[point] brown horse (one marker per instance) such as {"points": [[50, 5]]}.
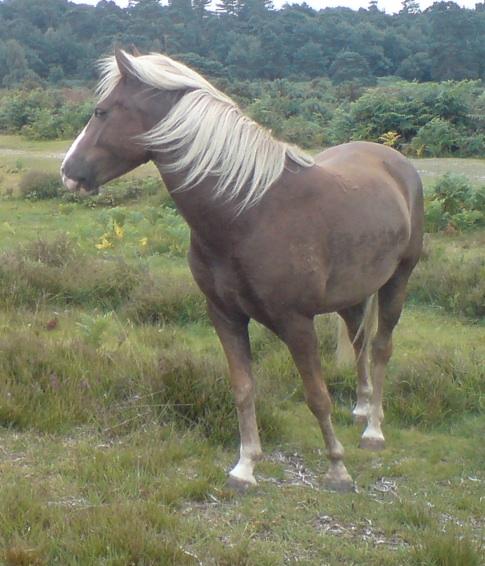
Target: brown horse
{"points": [[275, 235]]}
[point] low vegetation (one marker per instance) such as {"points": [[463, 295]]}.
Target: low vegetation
{"points": [[423, 120], [455, 204]]}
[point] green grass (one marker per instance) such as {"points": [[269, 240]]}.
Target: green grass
{"points": [[432, 168], [117, 425]]}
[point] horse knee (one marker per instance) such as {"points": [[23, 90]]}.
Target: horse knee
{"points": [[243, 394], [319, 404], [382, 349]]}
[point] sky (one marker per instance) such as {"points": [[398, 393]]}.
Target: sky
{"points": [[389, 6]]}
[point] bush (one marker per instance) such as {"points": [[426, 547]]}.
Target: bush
{"points": [[39, 185], [43, 113], [454, 202], [457, 193], [436, 138]]}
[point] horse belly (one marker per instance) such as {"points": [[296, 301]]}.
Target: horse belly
{"points": [[361, 262]]}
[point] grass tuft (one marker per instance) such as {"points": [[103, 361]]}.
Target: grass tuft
{"points": [[197, 390], [435, 388], [167, 298], [446, 549], [56, 272], [451, 274], [414, 515]]}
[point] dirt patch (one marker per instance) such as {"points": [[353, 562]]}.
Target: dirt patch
{"points": [[362, 531], [296, 473], [33, 153]]}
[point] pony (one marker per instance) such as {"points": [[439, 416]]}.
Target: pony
{"points": [[276, 235]]}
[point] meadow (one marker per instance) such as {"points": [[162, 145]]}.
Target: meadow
{"points": [[117, 425]]}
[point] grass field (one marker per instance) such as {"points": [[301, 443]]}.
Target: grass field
{"points": [[117, 426]]}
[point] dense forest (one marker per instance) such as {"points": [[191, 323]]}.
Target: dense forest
{"points": [[245, 39], [413, 80]]}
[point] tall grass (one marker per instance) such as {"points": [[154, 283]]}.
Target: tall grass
{"points": [[57, 272], [436, 387], [451, 274], [446, 549]]}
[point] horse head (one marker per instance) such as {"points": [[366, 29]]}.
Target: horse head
{"points": [[109, 146]]}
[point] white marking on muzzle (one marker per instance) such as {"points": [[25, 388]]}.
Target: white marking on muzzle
{"points": [[70, 184], [72, 149]]}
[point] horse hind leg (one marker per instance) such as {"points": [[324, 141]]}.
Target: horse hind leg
{"points": [[300, 337], [390, 304], [359, 321]]}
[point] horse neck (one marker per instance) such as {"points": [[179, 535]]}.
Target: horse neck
{"points": [[211, 219]]}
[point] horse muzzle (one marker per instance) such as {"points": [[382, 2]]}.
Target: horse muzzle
{"points": [[79, 185]]}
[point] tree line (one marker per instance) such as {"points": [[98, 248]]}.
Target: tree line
{"points": [[57, 40]]}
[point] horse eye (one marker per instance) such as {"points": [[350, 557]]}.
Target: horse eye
{"points": [[98, 112]]}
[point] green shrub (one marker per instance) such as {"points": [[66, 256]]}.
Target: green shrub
{"points": [[454, 202], [43, 114], [457, 193], [437, 137], [435, 218], [39, 185]]}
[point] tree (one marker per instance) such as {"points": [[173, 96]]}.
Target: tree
{"points": [[410, 7], [200, 7], [228, 7], [350, 66], [310, 60], [15, 64], [454, 51]]}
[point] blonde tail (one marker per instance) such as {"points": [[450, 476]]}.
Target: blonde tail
{"points": [[345, 349]]}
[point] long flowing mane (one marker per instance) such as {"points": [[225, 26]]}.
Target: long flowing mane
{"points": [[208, 131]]}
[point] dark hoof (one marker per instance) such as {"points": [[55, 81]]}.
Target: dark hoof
{"points": [[236, 484], [336, 484], [374, 444]]}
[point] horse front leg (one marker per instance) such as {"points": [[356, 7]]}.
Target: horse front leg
{"points": [[234, 337]]}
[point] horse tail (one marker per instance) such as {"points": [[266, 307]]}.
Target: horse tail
{"points": [[345, 349]]}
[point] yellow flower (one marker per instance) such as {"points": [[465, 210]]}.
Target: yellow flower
{"points": [[118, 230], [104, 243], [143, 241]]}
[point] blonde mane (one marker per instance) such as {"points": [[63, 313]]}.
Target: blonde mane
{"points": [[208, 131]]}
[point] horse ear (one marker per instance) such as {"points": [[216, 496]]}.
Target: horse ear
{"points": [[134, 50], [123, 62]]}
